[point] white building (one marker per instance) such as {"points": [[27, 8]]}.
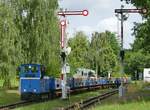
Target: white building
{"points": [[85, 73], [146, 75]]}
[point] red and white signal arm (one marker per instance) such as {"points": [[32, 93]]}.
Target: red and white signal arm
{"points": [[85, 12], [63, 26]]}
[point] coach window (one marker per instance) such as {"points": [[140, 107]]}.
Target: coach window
{"points": [[85, 74], [82, 73], [91, 74]]}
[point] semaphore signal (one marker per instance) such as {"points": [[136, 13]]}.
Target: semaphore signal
{"points": [[122, 12], [66, 13], [142, 10], [63, 55]]}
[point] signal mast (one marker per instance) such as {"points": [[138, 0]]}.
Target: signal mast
{"points": [[64, 50], [122, 12]]}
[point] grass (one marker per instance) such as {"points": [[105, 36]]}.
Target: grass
{"points": [[136, 98], [58, 103], [130, 106], [8, 96]]}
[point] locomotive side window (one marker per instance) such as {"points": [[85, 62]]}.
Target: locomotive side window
{"points": [[91, 74], [82, 73], [42, 71]]}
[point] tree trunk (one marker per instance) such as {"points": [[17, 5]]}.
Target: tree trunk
{"points": [[96, 69], [137, 75]]}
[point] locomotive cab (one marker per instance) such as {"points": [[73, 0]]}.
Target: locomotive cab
{"points": [[31, 70]]}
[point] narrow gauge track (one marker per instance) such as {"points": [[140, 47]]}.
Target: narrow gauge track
{"points": [[86, 103], [58, 94], [89, 88], [15, 105]]}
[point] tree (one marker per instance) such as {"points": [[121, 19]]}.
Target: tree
{"points": [[139, 3], [79, 46], [112, 40], [138, 58], [142, 32], [39, 32], [104, 58], [135, 62], [29, 33], [8, 44]]}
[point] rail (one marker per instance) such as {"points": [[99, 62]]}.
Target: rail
{"points": [[15, 105], [86, 103]]}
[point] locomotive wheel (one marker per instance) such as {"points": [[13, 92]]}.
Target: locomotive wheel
{"points": [[25, 96], [36, 97]]}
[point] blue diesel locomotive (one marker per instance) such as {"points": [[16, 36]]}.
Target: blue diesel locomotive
{"points": [[34, 84]]}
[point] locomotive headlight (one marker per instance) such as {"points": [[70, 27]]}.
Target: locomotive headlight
{"points": [[24, 90], [34, 90]]}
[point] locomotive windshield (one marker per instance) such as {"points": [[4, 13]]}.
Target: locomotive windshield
{"points": [[28, 69], [32, 70]]}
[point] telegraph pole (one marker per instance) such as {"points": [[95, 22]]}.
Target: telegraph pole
{"points": [[122, 12], [63, 24]]}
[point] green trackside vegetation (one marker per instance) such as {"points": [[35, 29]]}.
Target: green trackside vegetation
{"points": [[11, 95], [1, 83], [130, 106], [8, 96], [137, 98], [29, 33], [58, 103], [14, 83]]}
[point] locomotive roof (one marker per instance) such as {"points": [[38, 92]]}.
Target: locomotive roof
{"points": [[31, 64]]}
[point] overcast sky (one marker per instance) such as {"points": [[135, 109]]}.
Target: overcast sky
{"points": [[101, 17]]}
